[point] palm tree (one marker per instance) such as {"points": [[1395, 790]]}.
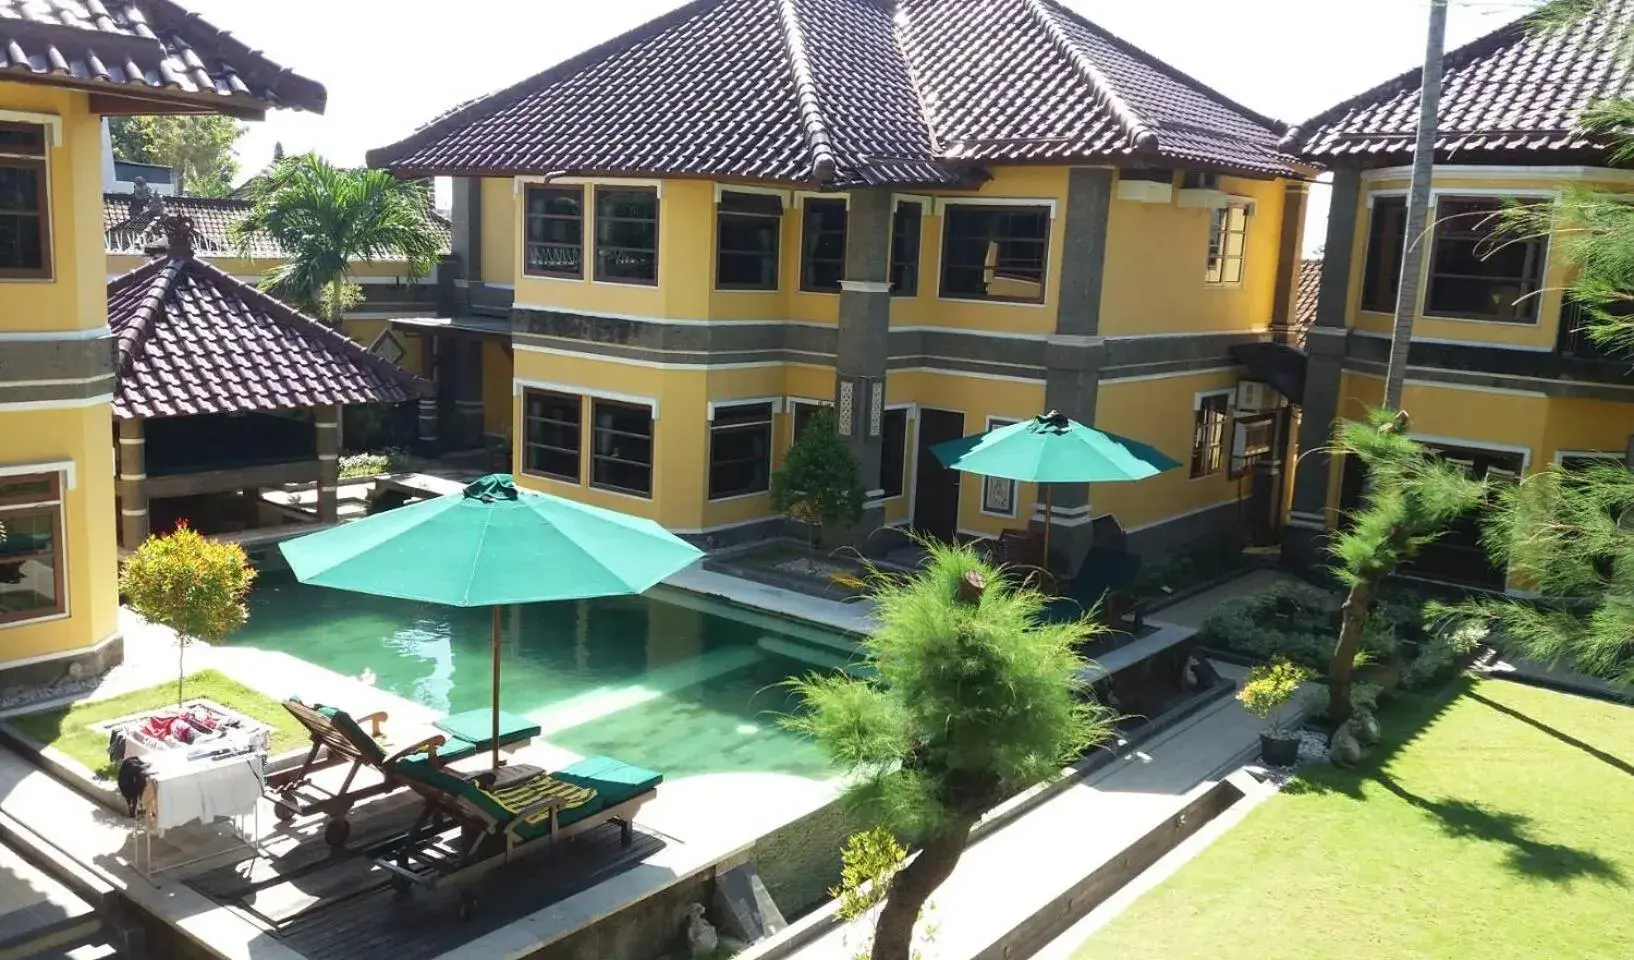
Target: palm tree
{"points": [[326, 218]]}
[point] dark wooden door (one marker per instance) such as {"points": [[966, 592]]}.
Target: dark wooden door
{"points": [[936, 492]]}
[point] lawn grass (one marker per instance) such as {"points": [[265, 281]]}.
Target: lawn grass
{"points": [[69, 729], [1502, 827]]}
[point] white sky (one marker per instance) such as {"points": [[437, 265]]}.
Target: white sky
{"points": [[391, 65]]}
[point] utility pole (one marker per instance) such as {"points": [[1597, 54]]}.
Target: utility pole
{"points": [[1418, 208]]}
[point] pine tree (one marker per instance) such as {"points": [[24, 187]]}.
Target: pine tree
{"points": [[1412, 497]]}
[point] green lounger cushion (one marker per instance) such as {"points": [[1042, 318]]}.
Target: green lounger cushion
{"points": [[615, 780], [343, 722], [476, 727]]}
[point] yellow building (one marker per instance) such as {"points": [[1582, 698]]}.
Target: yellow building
{"points": [[58, 592], [709, 227], [1500, 376]]}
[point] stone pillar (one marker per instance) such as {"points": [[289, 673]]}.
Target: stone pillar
{"points": [[430, 343], [1306, 533], [1290, 254], [466, 240], [132, 484], [327, 422], [864, 337], [1075, 354], [468, 390]]}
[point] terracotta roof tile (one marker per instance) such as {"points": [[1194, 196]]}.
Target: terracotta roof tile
{"points": [[1310, 288], [213, 218], [1516, 91], [845, 93], [146, 48], [190, 339]]}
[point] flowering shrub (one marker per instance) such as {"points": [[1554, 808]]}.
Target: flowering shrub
{"points": [[191, 584], [1268, 687]]}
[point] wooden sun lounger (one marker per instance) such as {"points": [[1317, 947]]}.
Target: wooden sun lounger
{"points": [[499, 824]]}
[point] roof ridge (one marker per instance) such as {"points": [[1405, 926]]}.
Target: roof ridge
{"points": [[1169, 69], [1142, 135], [1411, 79], [481, 107], [305, 93], [812, 123], [158, 273], [303, 324]]}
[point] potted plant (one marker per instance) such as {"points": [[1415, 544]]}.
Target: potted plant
{"points": [[819, 483], [1265, 691]]}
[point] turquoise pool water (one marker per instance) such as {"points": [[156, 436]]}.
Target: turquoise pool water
{"points": [[669, 681]]}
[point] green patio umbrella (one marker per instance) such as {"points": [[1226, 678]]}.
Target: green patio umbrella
{"points": [[1053, 449], [491, 545]]}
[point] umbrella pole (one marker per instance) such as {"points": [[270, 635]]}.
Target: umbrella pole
{"points": [[495, 731], [1049, 514]]}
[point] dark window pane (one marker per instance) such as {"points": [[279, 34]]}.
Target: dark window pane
{"points": [[622, 454], [22, 217], [893, 453], [740, 450], [29, 534], [26, 139], [995, 253], [555, 231], [553, 435], [822, 254], [1386, 234], [760, 204], [746, 258], [627, 235], [905, 227], [1478, 270]]}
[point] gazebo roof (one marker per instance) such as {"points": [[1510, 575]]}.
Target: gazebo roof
{"points": [[191, 339]]}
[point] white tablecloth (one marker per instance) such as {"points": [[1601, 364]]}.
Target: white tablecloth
{"points": [[181, 791]]}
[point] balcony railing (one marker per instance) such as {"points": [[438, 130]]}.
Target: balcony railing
{"points": [[1574, 340]]}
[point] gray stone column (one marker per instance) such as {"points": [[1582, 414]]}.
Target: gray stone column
{"points": [[1295, 194], [132, 484], [468, 394], [326, 420], [1075, 354], [430, 345], [466, 241], [863, 345], [1306, 534]]}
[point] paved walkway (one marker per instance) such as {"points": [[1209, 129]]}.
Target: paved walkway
{"points": [[1192, 611], [1006, 878]]}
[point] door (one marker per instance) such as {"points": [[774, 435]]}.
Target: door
{"points": [[936, 492]]}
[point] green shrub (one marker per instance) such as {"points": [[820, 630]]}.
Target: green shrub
{"points": [[370, 464], [1442, 655], [1268, 687], [1291, 619]]}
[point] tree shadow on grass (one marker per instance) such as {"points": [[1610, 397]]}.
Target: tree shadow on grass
{"points": [[1527, 855], [1611, 760], [1403, 719]]}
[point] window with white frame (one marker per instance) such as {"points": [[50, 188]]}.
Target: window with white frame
{"points": [[31, 568], [995, 252], [1211, 413], [998, 493], [801, 413], [740, 450], [553, 438], [1227, 243], [554, 221], [1480, 269]]}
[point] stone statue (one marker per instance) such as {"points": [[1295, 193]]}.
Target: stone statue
{"points": [[702, 940]]}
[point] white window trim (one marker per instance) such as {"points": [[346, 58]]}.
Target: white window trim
{"points": [[65, 467], [784, 195], [776, 402], [910, 433], [991, 423], [1620, 456], [518, 385], [927, 203], [1486, 445], [1476, 172], [50, 121], [53, 139], [1225, 433], [1198, 397], [942, 203], [519, 184], [801, 196], [1246, 204]]}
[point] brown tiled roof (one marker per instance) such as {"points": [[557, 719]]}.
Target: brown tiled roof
{"points": [[1310, 288], [190, 339], [1514, 94], [151, 49], [213, 218], [845, 93]]}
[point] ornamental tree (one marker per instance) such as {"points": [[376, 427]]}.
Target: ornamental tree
{"points": [[1412, 497], [971, 698], [191, 584], [820, 482]]}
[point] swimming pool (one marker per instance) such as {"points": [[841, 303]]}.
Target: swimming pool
{"points": [[671, 680]]}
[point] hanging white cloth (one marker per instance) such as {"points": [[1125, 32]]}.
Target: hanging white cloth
{"points": [[182, 791]]}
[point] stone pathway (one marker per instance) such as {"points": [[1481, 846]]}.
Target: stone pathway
{"points": [[1007, 878], [1192, 611]]}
